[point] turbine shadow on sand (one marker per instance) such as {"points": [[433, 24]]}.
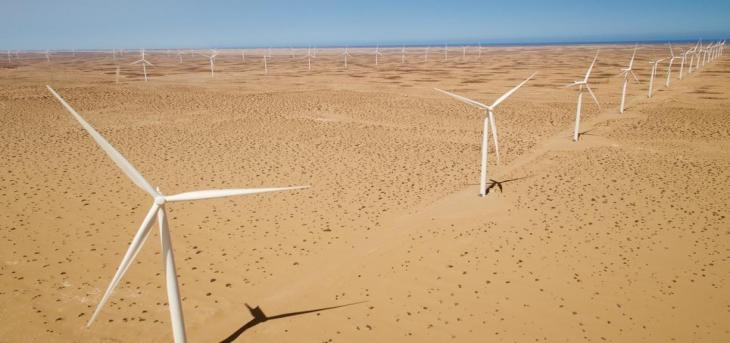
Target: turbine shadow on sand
{"points": [[498, 184], [259, 317]]}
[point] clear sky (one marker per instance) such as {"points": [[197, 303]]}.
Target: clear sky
{"points": [[101, 24]]}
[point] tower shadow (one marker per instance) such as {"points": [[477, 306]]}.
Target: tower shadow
{"points": [[259, 317]]}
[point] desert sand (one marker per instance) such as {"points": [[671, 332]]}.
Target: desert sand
{"points": [[621, 237]]}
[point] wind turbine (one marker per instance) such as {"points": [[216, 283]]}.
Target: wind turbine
{"points": [[211, 57], [345, 55], [669, 69], [144, 63], [403, 55], [157, 210], [48, 57], [488, 120], [654, 65], [581, 84], [266, 64], [309, 59], [377, 53], [425, 54], [681, 65], [626, 72]]}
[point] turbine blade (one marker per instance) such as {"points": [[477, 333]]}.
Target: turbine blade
{"points": [[508, 94], [593, 95], [222, 193], [463, 99], [134, 247], [117, 157], [634, 75], [588, 73]]}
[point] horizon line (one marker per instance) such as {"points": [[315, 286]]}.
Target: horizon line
{"points": [[514, 43]]}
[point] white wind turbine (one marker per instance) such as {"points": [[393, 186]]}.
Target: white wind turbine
{"points": [[266, 62], [488, 120], [144, 63], [377, 54], [581, 84], [693, 52], [425, 54], [403, 55], [48, 57], [157, 210], [211, 58], [654, 65], [671, 62], [309, 59], [626, 72], [681, 65], [345, 55]]}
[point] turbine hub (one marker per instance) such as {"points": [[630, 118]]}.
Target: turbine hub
{"points": [[160, 200]]}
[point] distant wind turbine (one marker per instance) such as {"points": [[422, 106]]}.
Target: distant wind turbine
{"points": [[144, 63], [581, 84], [345, 55], [403, 55], [425, 54], [158, 210], [377, 54], [211, 58], [488, 120]]}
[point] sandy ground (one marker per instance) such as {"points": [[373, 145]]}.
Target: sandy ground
{"points": [[622, 237]]}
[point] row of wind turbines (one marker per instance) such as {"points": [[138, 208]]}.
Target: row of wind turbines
{"points": [[698, 55], [311, 53]]}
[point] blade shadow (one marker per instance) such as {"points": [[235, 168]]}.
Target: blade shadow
{"points": [[260, 317], [498, 184]]}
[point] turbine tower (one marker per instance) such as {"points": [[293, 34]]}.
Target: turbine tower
{"points": [[488, 120], [157, 210]]}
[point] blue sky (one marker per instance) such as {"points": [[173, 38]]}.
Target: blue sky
{"points": [[101, 24]]}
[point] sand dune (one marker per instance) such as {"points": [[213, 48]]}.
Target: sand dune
{"points": [[621, 237]]}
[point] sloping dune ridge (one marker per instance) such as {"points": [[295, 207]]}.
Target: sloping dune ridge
{"points": [[623, 236]]}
